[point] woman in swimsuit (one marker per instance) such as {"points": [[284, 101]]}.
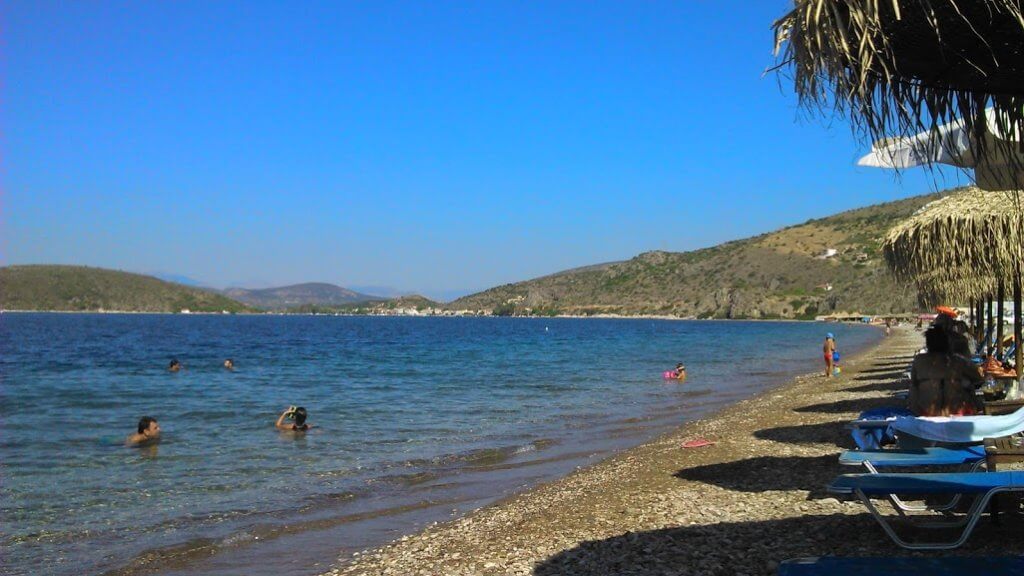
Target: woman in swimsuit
{"points": [[298, 415]]}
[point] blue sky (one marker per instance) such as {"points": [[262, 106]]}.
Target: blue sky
{"points": [[434, 147]]}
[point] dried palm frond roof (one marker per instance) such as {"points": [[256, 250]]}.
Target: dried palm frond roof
{"points": [[955, 286], [903, 67], [963, 240]]}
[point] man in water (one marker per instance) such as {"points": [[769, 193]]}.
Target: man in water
{"points": [[298, 414], [148, 432], [174, 366], [229, 364], [829, 350]]}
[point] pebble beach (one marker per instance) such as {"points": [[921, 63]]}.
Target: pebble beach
{"points": [[741, 505]]}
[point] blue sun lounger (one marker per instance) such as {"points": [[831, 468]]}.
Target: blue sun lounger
{"points": [[982, 486], [873, 460], [938, 456], [948, 566], [961, 430]]}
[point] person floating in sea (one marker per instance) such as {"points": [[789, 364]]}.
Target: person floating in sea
{"points": [[680, 372], [829, 350], [229, 364], [148, 432], [174, 366], [298, 417]]}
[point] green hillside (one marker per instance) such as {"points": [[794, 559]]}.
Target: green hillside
{"points": [[80, 288], [775, 275]]}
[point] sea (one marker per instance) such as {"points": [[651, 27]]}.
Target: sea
{"points": [[416, 420]]}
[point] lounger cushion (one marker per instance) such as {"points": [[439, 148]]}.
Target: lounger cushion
{"points": [[949, 566], [961, 429], [916, 457], [938, 483]]}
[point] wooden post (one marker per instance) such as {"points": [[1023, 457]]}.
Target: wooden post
{"points": [[989, 330], [1000, 296], [1016, 323], [979, 325]]}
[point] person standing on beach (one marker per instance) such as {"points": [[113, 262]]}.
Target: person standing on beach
{"points": [[829, 350]]}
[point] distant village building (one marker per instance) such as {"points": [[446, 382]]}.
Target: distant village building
{"points": [[829, 253]]}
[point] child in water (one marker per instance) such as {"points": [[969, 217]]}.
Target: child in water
{"points": [[680, 372], [298, 415]]}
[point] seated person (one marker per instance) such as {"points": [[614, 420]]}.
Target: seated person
{"points": [[148, 432], [298, 414], [943, 383], [680, 372]]}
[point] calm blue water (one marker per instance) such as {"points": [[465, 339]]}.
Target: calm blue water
{"points": [[416, 419]]}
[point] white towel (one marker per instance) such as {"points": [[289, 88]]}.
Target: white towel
{"points": [[961, 428]]}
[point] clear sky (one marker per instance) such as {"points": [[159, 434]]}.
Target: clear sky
{"points": [[432, 147]]}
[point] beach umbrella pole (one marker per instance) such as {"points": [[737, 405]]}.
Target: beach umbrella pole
{"points": [[1016, 324], [979, 326], [1000, 296], [988, 329]]}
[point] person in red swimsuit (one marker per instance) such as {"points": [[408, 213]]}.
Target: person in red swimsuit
{"points": [[829, 350]]}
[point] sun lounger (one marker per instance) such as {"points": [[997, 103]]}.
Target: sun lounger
{"points": [[982, 486], [869, 434], [872, 460], [948, 566], [875, 459], [960, 429], [870, 431]]}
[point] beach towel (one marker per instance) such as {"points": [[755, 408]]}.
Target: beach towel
{"points": [[961, 429]]}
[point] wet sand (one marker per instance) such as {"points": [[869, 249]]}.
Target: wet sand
{"points": [[754, 498]]}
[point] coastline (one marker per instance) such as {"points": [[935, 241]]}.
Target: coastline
{"points": [[450, 315], [740, 506]]}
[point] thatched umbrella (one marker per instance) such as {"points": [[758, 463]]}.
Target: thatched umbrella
{"points": [[972, 231], [961, 246], [903, 67]]}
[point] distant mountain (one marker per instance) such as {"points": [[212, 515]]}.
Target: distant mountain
{"points": [[81, 288], [827, 265], [309, 294], [412, 301], [380, 291]]}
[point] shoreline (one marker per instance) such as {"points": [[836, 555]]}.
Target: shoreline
{"points": [[452, 315], [740, 506]]}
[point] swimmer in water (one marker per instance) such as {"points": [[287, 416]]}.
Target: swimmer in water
{"points": [[148, 432], [298, 415], [229, 364], [680, 372], [174, 366]]}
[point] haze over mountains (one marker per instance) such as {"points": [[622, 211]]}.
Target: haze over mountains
{"points": [[826, 265], [311, 293]]}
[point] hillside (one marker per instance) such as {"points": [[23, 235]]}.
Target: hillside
{"points": [[309, 294], [777, 275], [80, 288]]}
